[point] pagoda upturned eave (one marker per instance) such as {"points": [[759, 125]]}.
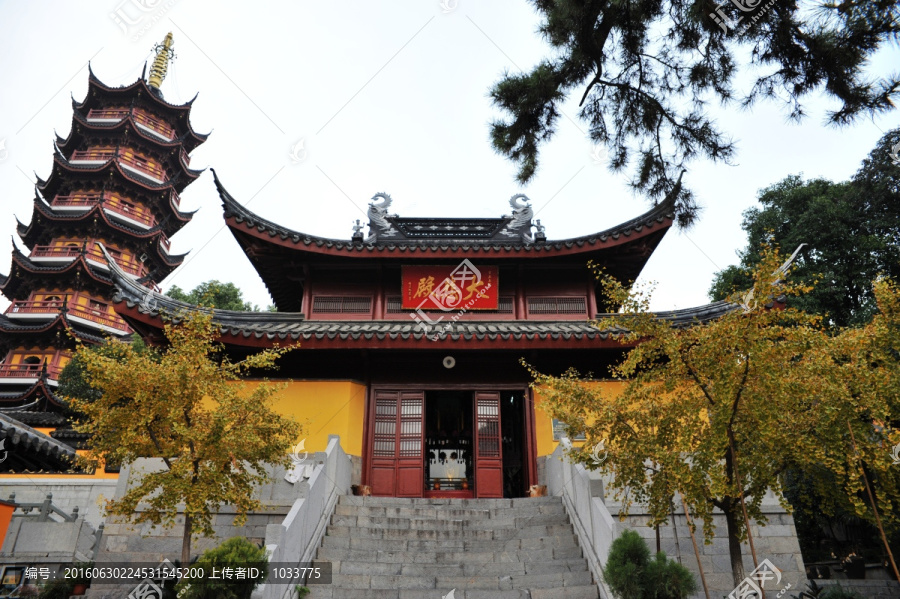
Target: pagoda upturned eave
{"points": [[147, 181], [57, 324], [126, 127], [37, 396], [155, 239], [62, 170]]}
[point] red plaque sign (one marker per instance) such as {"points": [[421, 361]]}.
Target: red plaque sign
{"points": [[450, 288]]}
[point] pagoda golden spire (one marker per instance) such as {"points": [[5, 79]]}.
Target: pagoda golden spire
{"points": [[160, 66]]}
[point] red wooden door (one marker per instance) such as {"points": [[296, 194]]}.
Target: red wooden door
{"points": [[398, 467], [488, 452]]}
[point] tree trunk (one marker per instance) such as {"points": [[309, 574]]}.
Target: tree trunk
{"points": [[734, 544], [186, 541]]}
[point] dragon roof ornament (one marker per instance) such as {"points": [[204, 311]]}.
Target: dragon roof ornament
{"points": [[379, 226], [515, 228]]}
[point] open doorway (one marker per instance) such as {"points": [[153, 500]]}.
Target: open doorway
{"points": [[449, 464], [512, 424]]}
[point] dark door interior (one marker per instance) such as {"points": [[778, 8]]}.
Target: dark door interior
{"points": [[512, 420], [449, 464]]}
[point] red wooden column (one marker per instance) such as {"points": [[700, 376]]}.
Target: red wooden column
{"points": [[488, 450]]}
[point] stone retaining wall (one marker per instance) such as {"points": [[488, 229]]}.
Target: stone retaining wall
{"points": [[85, 494], [870, 589]]}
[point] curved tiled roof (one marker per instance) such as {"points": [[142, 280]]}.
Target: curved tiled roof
{"points": [[27, 447], [242, 219], [41, 419]]}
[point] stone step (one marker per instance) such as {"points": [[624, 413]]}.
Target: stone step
{"points": [[458, 503], [504, 582], [389, 522], [453, 545], [399, 548], [499, 534], [573, 592], [451, 511], [488, 569], [387, 556]]}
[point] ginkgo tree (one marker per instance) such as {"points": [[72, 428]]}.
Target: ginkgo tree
{"points": [[862, 414], [184, 405], [715, 411]]}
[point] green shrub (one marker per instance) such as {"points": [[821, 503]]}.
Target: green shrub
{"points": [[837, 592], [235, 552], [59, 588], [631, 573]]}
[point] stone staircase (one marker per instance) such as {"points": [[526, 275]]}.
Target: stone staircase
{"points": [[393, 548]]}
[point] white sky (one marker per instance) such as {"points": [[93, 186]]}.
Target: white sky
{"points": [[386, 96]]}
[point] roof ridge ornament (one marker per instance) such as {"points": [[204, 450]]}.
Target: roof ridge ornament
{"points": [[164, 56], [357, 231], [520, 223], [379, 226]]}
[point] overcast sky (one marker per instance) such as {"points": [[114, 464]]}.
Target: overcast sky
{"points": [[384, 96]]}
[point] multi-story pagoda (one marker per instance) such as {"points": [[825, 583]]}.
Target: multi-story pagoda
{"points": [[115, 184]]}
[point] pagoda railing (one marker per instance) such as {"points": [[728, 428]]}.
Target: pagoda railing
{"points": [[101, 318], [143, 167], [102, 155], [72, 308], [91, 252], [109, 203], [28, 371], [143, 119]]}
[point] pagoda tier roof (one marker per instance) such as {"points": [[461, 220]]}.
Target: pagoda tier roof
{"points": [[128, 129], [73, 216], [84, 224], [651, 224], [100, 95], [24, 270], [30, 450], [37, 405], [144, 310], [47, 333], [64, 171], [27, 276], [184, 172]]}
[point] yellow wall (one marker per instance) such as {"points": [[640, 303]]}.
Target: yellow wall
{"points": [[543, 424], [325, 408]]}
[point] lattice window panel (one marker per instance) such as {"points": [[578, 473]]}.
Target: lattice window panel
{"points": [[411, 427], [557, 305], [385, 427], [487, 414], [394, 305], [336, 304]]}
